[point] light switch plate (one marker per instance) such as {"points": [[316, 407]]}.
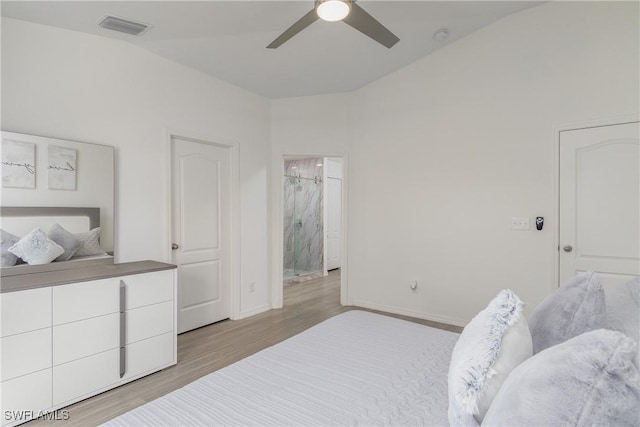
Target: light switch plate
{"points": [[521, 223]]}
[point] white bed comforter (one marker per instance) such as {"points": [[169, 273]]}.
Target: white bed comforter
{"points": [[356, 368]]}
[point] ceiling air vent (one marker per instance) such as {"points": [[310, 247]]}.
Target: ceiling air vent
{"points": [[123, 25]]}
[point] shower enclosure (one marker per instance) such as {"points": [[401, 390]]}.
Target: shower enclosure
{"points": [[303, 228]]}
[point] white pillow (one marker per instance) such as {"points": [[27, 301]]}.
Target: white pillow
{"points": [[489, 348], [36, 248], [89, 243]]}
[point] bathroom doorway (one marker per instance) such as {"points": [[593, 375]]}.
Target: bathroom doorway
{"points": [[311, 217]]}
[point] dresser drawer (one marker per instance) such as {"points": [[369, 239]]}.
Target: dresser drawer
{"points": [[149, 355], [85, 376], [149, 288], [74, 340], [25, 353], [24, 311], [149, 321], [26, 393], [85, 300]]}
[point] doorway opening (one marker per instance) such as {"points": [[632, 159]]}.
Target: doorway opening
{"points": [[312, 218]]}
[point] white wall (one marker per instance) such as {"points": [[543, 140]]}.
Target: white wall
{"points": [[445, 151], [440, 155], [69, 85], [317, 126]]}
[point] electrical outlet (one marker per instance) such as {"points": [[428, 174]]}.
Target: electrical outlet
{"points": [[413, 285], [252, 286]]}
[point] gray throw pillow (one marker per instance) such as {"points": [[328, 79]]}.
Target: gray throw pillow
{"points": [[623, 309], [7, 259], [66, 239], [576, 307], [89, 243], [36, 248], [589, 380]]}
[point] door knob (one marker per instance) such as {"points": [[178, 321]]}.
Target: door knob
{"points": [[567, 248], [174, 246]]}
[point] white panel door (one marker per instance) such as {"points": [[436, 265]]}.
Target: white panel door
{"points": [[334, 222], [200, 231], [599, 203]]}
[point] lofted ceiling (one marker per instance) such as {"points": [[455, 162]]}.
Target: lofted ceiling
{"points": [[228, 39]]}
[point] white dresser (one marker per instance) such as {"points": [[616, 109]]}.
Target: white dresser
{"points": [[69, 335]]}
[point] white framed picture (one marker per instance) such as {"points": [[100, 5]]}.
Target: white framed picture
{"points": [[62, 168], [18, 164]]}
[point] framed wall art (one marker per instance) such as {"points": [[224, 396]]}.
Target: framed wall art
{"points": [[18, 164], [62, 168]]}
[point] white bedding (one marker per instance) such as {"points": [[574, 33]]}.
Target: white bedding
{"points": [[356, 368]]}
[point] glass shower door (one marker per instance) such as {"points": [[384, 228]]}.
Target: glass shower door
{"points": [[290, 183], [302, 226]]}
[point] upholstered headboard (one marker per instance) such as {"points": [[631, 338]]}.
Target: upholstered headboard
{"points": [[21, 220]]}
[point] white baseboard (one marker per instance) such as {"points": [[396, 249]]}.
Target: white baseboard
{"points": [[412, 313], [253, 312]]}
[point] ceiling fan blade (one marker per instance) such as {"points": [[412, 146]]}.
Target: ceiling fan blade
{"points": [[302, 23], [368, 25]]}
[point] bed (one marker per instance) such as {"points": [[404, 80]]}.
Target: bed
{"points": [[19, 221], [357, 368], [574, 362]]}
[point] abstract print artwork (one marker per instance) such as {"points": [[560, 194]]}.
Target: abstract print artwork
{"points": [[62, 168], [18, 164]]}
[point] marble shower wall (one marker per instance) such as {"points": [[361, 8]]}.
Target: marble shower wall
{"points": [[303, 227]]}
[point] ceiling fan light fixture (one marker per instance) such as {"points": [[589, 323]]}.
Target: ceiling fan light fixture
{"points": [[333, 10]]}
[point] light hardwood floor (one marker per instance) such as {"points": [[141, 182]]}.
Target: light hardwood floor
{"points": [[213, 347]]}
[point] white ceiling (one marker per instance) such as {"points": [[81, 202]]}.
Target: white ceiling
{"points": [[227, 39]]}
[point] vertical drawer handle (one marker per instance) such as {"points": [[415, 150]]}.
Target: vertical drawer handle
{"points": [[123, 328]]}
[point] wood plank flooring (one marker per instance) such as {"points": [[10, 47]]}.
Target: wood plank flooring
{"points": [[213, 347]]}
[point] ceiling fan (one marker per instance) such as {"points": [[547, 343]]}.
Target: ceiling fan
{"points": [[340, 10]]}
